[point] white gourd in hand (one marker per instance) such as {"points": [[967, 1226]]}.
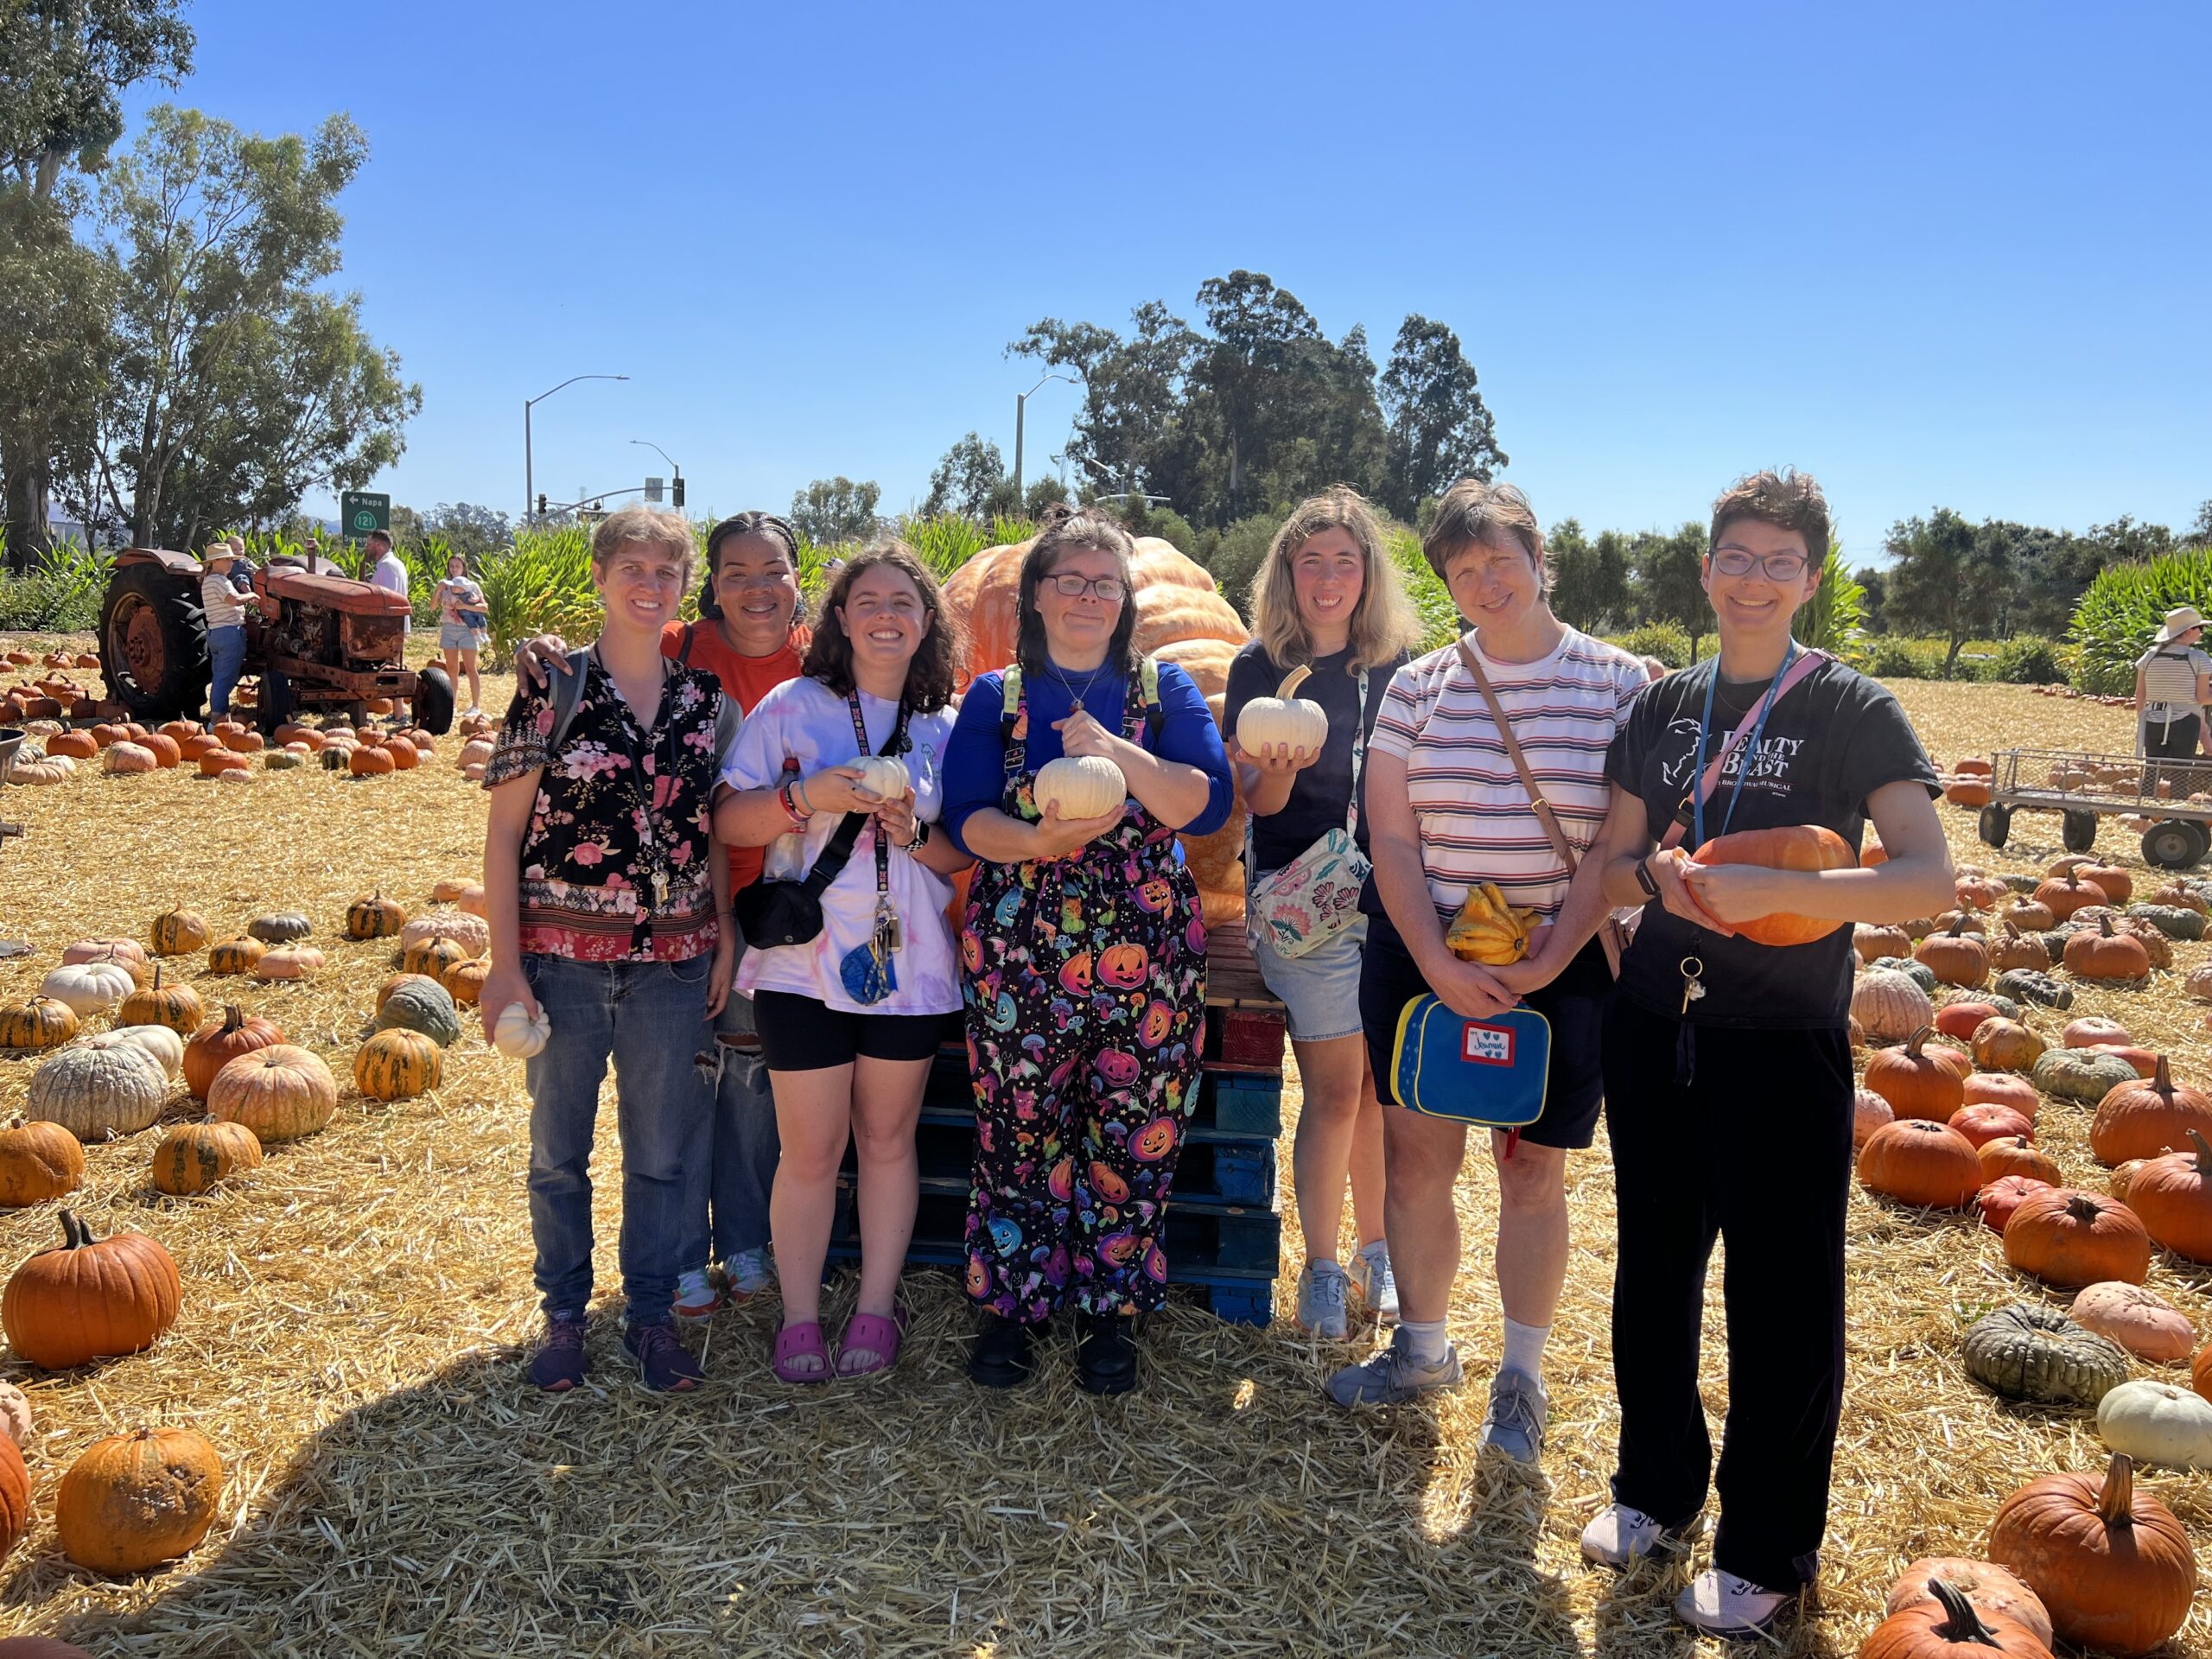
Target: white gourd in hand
{"points": [[1283, 721], [882, 775], [1081, 786], [517, 1036]]}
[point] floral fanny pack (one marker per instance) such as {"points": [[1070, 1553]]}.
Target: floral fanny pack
{"points": [[1315, 896]]}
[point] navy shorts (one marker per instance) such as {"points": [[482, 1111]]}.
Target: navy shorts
{"points": [[1575, 1003]]}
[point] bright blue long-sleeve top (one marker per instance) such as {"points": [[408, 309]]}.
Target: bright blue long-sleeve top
{"points": [[975, 758]]}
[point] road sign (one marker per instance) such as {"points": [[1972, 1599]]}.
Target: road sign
{"points": [[360, 512], [652, 490]]}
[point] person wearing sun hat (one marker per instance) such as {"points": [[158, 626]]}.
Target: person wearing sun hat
{"points": [[226, 614], [2173, 681]]}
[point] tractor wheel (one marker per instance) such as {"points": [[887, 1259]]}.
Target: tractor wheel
{"points": [[2077, 830], [154, 644], [2174, 844], [274, 707], [433, 705], [1996, 825]]}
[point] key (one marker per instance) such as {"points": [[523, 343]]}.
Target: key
{"points": [[1693, 988], [894, 937]]}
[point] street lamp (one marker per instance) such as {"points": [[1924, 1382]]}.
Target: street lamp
{"points": [[1019, 401], [528, 479], [677, 493]]}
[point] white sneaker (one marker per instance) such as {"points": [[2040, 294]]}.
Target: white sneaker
{"points": [[749, 1272], [1321, 1286], [1723, 1603], [1619, 1536], [1372, 1278], [697, 1297]]}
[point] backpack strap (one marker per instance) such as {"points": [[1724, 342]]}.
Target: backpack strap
{"points": [[684, 651], [567, 692], [1155, 717], [1010, 702], [728, 718]]}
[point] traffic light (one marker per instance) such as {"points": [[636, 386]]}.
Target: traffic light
{"points": [[676, 495], [541, 504]]}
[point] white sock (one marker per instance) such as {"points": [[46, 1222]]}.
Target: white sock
{"points": [[1425, 1340], [1524, 1350]]}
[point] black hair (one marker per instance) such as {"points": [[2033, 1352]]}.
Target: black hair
{"points": [[1073, 534], [770, 526]]}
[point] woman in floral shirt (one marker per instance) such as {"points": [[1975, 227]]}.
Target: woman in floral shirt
{"points": [[605, 907]]}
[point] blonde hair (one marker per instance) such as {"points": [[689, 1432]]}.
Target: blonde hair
{"points": [[1475, 513], [1382, 620], [659, 527]]}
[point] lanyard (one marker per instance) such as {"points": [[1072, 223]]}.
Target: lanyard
{"points": [[1359, 755], [891, 746], [1751, 749]]}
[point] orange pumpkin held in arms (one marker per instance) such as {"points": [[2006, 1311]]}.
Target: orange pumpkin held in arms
{"points": [[1794, 847]]}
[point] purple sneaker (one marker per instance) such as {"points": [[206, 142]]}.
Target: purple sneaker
{"points": [[558, 1364], [666, 1362]]}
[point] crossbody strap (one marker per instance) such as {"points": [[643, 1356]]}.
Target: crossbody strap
{"points": [[1609, 934], [1702, 789]]}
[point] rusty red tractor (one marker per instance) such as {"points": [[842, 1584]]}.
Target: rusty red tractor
{"points": [[317, 641]]}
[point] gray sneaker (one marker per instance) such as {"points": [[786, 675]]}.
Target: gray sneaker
{"points": [[1394, 1377], [1515, 1421], [1321, 1286], [1370, 1277]]}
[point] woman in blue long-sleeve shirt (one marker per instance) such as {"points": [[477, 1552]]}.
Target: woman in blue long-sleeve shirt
{"points": [[1084, 962]]}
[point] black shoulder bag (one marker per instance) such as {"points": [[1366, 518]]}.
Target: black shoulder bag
{"points": [[773, 913]]}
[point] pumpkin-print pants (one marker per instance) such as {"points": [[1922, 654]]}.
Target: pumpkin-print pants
{"points": [[1756, 1150], [1086, 982]]}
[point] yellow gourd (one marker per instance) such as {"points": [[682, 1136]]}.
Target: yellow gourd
{"points": [[1283, 721], [1488, 930]]}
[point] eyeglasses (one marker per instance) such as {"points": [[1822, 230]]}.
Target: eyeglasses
{"points": [[1775, 567], [1070, 586]]}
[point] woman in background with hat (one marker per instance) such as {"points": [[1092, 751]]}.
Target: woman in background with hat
{"points": [[2173, 681], [226, 614]]}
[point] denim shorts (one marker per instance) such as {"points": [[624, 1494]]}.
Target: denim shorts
{"points": [[455, 636], [1320, 989]]}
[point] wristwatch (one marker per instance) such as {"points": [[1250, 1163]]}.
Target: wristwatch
{"points": [[921, 835], [1644, 877]]}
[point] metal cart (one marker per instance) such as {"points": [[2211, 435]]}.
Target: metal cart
{"points": [[2082, 787]]}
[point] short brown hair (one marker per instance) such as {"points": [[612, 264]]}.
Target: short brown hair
{"points": [[656, 525], [1092, 530], [1786, 500], [1496, 515], [929, 674]]}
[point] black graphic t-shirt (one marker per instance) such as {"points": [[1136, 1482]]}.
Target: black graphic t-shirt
{"points": [[1319, 794], [1830, 742]]}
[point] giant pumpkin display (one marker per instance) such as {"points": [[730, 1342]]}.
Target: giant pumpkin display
{"points": [[2111, 1564], [1793, 847], [133, 1501], [90, 1298]]}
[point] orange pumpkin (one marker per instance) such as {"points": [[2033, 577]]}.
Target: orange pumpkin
{"points": [[1954, 956], [2148, 1117], [2017, 1154], [1946, 1621], [366, 762], [38, 1160], [134, 1501], [1987, 1122], [2071, 1238], [2016, 1092], [1919, 1162], [2000, 1198], [90, 1298], [2063, 895], [1920, 1080], [405, 757], [78, 746], [194, 1157], [2112, 1565], [1959, 1019], [2104, 954], [218, 1042], [1794, 847], [2173, 1196]]}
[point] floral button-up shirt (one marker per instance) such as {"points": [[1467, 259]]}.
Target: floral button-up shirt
{"points": [[615, 863]]}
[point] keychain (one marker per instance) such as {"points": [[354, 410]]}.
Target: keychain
{"points": [[1693, 987]]}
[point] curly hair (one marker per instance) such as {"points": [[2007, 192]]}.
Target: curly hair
{"points": [[930, 675], [1786, 500]]}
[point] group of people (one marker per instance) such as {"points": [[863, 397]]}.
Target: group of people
{"points": [[759, 933]]}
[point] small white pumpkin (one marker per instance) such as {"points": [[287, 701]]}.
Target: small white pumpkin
{"points": [[882, 775], [1080, 785], [89, 986], [517, 1036], [2156, 1422], [1283, 721], [164, 1045]]}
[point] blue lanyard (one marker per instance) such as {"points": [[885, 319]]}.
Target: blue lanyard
{"points": [[1744, 759]]}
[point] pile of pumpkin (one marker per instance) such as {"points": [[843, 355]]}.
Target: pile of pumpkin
{"points": [[476, 733], [43, 696], [225, 750]]}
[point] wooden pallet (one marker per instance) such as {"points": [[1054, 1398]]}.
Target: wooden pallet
{"points": [[1233, 1169]]}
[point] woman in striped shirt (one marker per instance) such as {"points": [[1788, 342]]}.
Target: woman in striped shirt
{"points": [[1447, 812]]}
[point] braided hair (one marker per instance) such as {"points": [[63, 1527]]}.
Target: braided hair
{"points": [[768, 526]]}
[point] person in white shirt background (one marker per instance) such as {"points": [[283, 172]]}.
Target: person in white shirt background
{"points": [[226, 614], [388, 571], [2173, 681]]}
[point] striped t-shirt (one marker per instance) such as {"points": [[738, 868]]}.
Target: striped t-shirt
{"points": [[1476, 823]]}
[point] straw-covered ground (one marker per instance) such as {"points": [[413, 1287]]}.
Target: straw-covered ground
{"points": [[355, 1311]]}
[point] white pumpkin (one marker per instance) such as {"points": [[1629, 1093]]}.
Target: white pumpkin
{"points": [[89, 986], [164, 1045], [882, 775], [2156, 1422], [116, 1088], [1283, 721], [472, 933], [1081, 786], [517, 1036]]}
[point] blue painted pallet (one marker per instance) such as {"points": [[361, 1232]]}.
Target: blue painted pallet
{"points": [[1213, 1169], [1204, 1241]]}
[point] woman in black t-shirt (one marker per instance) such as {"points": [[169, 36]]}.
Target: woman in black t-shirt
{"points": [[1725, 1060], [1328, 599]]}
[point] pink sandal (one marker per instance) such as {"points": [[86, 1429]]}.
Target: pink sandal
{"points": [[801, 1342], [870, 1333]]}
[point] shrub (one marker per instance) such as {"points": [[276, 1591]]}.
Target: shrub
{"points": [[2116, 619], [60, 594], [1661, 639], [2028, 660], [1892, 658], [1441, 623]]}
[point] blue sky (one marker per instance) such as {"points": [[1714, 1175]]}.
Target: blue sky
{"points": [[1950, 254]]}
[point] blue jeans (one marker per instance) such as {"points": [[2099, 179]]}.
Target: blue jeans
{"points": [[746, 1149], [225, 656], [650, 1018]]}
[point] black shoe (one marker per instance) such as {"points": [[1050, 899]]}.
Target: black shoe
{"points": [[1105, 1353], [1005, 1352]]}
